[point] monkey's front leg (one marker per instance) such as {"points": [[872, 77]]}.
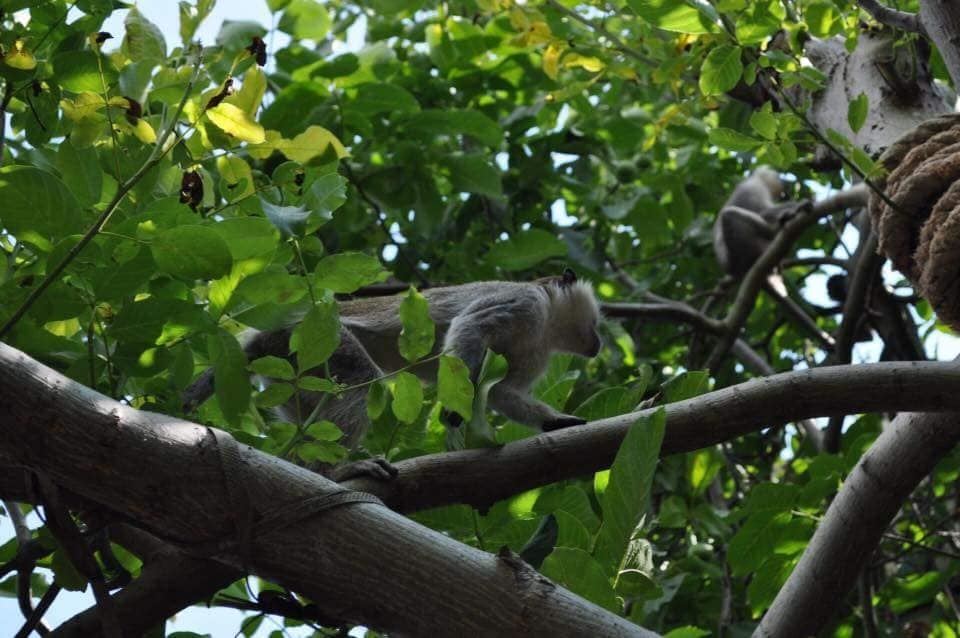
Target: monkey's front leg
{"points": [[523, 408], [782, 213]]}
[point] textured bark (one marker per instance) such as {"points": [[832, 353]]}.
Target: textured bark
{"points": [[481, 477], [902, 456], [896, 103], [361, 563], [941, 21]]}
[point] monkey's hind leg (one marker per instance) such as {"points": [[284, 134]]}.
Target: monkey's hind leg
{"points": [[350, 364]]}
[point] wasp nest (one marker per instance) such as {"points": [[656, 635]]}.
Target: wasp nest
{"points": [[920, 232]]}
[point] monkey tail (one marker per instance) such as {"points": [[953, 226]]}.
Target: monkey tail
{"points": [[197, 392]]}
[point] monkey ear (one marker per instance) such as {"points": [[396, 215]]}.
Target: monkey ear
{"points": [[569, 276]]}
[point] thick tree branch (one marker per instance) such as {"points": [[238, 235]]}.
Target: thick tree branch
{"points": [[902, 20], [941, 23], [901, 457], [361, 563], [483, 476], [669, 310]]}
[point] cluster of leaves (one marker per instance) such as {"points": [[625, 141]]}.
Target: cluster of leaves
{"points": [[164, 195]]}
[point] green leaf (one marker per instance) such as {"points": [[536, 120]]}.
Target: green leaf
{"points": [[474, 174], [273, 367], [732, 140], [229, 375], [81, 173], [417, 336], [609, 402], [348, 272], [191, 15], [322, 452], [407, 397], [249, 238], [687, 632], [192, 252], [372, 99], [143, 40], [857, 111], [754, 541], [673, 15], [376, 400], [290, 220], [579, 572], [77, 71], [431, 122], [721, 70], [764, 122], [324, 431], [526, 249], [316, 337], [273, 395], [625, 499], [327, 193], [454, 389], [37, 205], [686, 385], [64, 573], [822, 19], [305, 19], [317, 384]]}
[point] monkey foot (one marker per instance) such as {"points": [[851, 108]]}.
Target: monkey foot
{"points": [[378, 468]]}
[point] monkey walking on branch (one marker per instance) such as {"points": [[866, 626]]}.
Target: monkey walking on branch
{"points": [[523, 321]]}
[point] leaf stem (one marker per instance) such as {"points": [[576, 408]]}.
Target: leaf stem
{"points": [[158, 153]]}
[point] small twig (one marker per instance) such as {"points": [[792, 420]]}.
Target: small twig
{"points": [[155, 157], [378, 213], [4, 103], [867, 610], [909, 22], [618, 44], [26, 565], [34, 622], [71, 540]]}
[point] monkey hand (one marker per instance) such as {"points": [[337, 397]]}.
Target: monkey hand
{"points": [[562, 421], [378, 468], [450, 418], [789, 212]]}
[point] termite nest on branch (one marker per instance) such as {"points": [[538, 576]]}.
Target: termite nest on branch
{"points": [[920, 232]]}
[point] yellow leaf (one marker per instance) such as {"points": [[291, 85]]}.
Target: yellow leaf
{"points": [[86, 104], [232, 120], [518, 19], [312, 143], [144, 132], [20, 58], [589, 63], [551, 60], [237, 175], [251, 91], [538, 33], [271, 143]]}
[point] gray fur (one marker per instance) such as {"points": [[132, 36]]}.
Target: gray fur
{"points": [[524, 322]]}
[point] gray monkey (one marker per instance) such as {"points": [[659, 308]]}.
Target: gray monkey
{"points": [[746, 225], [523, 321]]}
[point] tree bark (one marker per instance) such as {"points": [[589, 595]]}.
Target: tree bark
{"points": [[362, 563], [901, 457]]}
